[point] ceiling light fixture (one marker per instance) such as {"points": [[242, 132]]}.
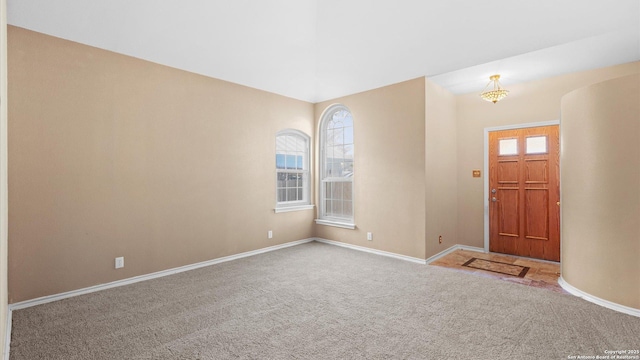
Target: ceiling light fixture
{"points": [[497, 93]]}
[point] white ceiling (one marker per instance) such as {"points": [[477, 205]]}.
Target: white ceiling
{"points": [[316, 50]]}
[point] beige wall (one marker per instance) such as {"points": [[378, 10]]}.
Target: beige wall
{"points": [[601, 190], [389, 177], [441, 169], [527, 102], [114, 156], [3, 175]]}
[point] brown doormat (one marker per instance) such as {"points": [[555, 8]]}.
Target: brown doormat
{"points": [[497, 267]]}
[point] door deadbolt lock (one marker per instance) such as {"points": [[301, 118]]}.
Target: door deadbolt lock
{"points": [[493, 191]]}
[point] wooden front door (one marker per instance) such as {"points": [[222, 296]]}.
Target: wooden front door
{"points": [[524, 192]]}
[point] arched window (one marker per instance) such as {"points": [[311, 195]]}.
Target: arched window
{"points": [[336, 167], [292, 171]]}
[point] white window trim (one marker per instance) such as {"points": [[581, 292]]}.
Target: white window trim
{"points": [[336, 223], [347, 223], [283, 209], [288, 206]]}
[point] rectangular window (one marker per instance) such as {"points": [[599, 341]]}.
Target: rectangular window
{"points": [[292, 169], [507, 147], [536, 145]]}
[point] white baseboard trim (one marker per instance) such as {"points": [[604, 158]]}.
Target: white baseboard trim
{"points": [[135, 279], [452, 249], [7, 340], [87, 290], [596, 300], [46, 299], [372, 251]]}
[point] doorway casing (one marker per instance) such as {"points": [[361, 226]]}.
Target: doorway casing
{"points": [[485, 191]]}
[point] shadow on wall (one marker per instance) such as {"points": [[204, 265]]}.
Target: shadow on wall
{"points": [[600, 190]]}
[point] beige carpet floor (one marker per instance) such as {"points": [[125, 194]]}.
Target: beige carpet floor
{"points": [[317, 301]]}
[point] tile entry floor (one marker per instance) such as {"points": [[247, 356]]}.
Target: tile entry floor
{"points": [[541, 274]]}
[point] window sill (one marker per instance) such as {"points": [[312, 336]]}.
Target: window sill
{"points": [[339, 224], [292, 208]]}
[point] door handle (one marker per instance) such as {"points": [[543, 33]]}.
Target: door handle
{"points": [[493, 199]]}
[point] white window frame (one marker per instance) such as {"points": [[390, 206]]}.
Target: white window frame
{"points": [[343, 222], [305, 203]]}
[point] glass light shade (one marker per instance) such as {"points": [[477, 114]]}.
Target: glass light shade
{"points": [[497, 93]]}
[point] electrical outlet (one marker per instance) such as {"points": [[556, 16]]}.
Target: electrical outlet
{"points": [[440, 239], [369, 236], [270, 234], [119, 262]]}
